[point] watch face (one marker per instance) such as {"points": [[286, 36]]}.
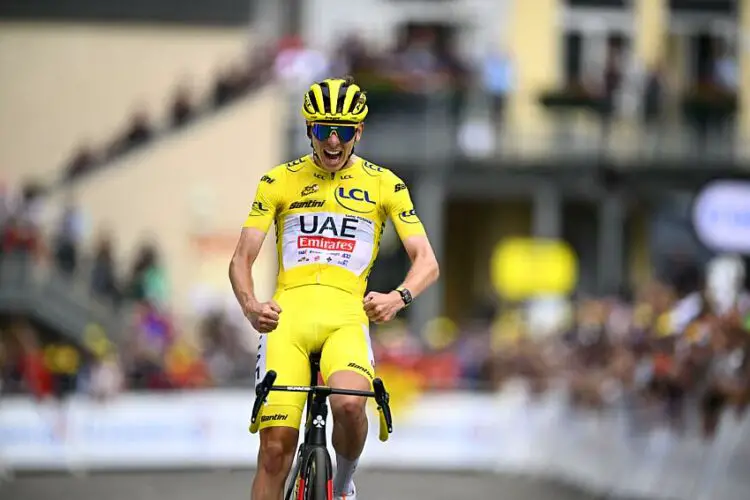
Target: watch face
{"points": [[406, 296]]}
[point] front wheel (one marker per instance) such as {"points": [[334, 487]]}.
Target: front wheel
{"points": [[316, 478]]}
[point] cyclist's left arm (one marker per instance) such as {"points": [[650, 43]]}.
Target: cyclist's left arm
{"points": [[424, 270]]}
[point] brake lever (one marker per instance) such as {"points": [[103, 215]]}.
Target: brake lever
{"points": [[382, 398], [261, 393]]}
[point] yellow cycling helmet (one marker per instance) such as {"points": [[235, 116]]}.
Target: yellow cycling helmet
{"points": [[335, 100]]}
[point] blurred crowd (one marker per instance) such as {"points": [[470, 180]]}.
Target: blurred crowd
{"points": [[233, 82], [676, 347], [156, 353], [672, 347], [677, 351], [425, 61]]}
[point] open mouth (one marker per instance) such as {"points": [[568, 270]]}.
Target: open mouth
{"points": [[332, 155]]}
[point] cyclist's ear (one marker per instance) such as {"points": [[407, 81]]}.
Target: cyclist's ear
{"points": [[309, 131], [358, 133]]}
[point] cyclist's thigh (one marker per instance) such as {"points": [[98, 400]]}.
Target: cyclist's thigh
{"points": [[284, 350], [348, 349]]}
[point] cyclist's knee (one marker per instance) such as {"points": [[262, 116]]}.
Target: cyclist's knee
{"points": [[348, 407], [277, 446]]}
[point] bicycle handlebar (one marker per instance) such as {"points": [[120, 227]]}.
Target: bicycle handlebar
{"points": [[381, 396]]}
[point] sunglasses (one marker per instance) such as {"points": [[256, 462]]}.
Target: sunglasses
{"points": [[321, 131]]}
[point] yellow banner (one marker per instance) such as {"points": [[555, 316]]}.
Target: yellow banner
{"points": [[524, 268]]}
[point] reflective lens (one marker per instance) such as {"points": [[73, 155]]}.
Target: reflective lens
{"points": [[323, 132]]}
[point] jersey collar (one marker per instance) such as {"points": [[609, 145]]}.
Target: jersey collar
{"points": [[356, 160]]}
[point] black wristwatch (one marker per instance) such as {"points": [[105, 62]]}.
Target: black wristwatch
{"points": [[405, 296]]}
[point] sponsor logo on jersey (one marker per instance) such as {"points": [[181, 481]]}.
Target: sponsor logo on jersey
{"points": [[267, 179], [355, 199], [409, 216], [258, 209], [360, 368], [306, 204], [327, 244], [326, 233], [399, 187], [274, 418], [347, 176], [371, 167], [294, 164], [320, 176], [308, 190], [327, 225]]}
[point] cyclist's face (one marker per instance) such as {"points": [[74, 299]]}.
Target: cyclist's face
{"points": [[333, 144]]}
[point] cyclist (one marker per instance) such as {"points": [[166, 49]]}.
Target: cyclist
{"points": [[330, 208]]}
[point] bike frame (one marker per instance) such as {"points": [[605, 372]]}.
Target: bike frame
{"points": [[316, 415], [316, 410]]}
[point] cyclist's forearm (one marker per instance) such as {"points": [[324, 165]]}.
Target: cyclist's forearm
{"points": [[241, 277], [424, 272]]}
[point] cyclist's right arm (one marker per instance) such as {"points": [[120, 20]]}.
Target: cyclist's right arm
{"points": [[263, 316], [240, 268]]}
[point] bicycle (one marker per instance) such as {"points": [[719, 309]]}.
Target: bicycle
{"points": [[312, 476]]}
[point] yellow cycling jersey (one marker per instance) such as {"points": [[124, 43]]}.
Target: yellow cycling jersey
{"points": [[329, 224]]}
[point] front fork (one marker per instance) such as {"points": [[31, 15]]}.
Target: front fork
{"points": [[315, 436]]}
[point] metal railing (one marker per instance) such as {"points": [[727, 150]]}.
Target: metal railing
{"points": [[37, 290], [449, 130]]}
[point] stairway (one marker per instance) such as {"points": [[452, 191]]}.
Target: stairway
{"points": [[196, 183]]}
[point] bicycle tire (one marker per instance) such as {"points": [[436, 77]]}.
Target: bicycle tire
{"points": [[291, 491], [317, 480]]}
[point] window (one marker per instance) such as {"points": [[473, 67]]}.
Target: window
{"points": [[573, 68], [703, 6], [604, 4]]}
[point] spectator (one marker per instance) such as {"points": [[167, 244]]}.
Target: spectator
{"points": [[226, 87], [103, 279], [145, 370], [725, 71], [140, 130], [35, 375], [148, 281], [20, 238], [184, 367], [497, 80], [83, 160], [6, 204], [138, 133], [349, 56], [63, 362], [182, 109], [105, 376], [67, 239], [297, 65], [653, 106], [214, 346]]}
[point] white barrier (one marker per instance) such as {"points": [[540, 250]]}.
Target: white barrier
{"points": [[503, 432]]}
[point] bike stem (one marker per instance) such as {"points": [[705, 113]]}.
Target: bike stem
{"points": [[316, 430]]}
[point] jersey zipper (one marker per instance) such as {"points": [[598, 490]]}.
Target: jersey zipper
{"points": [[327, 188]]}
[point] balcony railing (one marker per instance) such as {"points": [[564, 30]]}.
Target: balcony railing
{"points": [[444, 130], [64, 304]]}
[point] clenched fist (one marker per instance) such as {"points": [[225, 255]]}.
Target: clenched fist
{"points": [[264, 316], [382, 307]]}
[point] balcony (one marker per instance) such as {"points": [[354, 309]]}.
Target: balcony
{"points": [[59, 304], [447, 129]]}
